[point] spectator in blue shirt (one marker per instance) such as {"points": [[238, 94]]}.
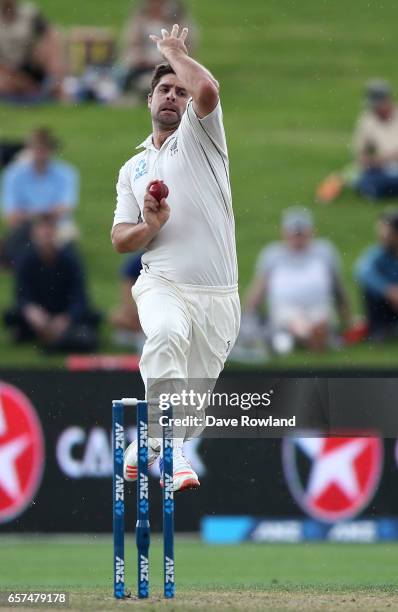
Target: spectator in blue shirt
{"points": [[377, 274], [40, 184]]}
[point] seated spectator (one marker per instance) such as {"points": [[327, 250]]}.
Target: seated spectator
{"points": [[51, 303], [299, 280], [377, 274], [376, 144], [374, 173], [39, 184], [124, 318], [31, 58], [140, 55]]}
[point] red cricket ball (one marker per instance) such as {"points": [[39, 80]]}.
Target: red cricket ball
{"points": [[158, 190]]}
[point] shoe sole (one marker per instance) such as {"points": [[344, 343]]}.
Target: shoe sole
{"points": [[189, 483]]}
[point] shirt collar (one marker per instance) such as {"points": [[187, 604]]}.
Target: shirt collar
{"points": [[148, 143]]}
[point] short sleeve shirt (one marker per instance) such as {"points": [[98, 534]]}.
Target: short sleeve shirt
{"points": [[197, 244], [299, 278]]}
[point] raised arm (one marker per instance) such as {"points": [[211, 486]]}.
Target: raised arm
{"points": [[197, 80]]}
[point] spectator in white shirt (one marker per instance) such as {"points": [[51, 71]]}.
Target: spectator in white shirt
{"points": [[376, 144], [139, 55], [299, 281], [374, 173], [31, 57]]}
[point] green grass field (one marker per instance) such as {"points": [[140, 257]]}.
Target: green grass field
{"points": [[243, 577], [292, 75]]}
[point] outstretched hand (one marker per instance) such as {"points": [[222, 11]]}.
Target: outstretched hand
{"points": [[171, 42]]}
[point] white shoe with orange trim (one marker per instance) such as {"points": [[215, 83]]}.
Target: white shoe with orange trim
{"points": [[130, 458], [184, 476]]}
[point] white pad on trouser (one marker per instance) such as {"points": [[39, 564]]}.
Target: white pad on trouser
{"points": [[190, 331]]}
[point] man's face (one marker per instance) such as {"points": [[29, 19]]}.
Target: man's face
{"points": [[44, 235], [384, 108], [387, 235], [7, 8], [41, 152], [155, 8], [168, 102], [297, 241]]}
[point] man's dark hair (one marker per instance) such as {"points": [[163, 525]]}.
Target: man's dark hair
{"points": [[44, 136], [159, 72]]}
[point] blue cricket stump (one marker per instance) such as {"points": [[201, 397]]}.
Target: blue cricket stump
{"points": [[142, 531], [168, 507], [118, 498], [142, 525]]}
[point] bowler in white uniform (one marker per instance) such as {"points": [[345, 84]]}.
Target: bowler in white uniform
{"points": [[187, 294]]}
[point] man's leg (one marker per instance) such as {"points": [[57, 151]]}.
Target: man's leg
{"points": [[166, 323], [48, 55], [14, 83], [376, 183], [215, 327], [319, 335], [391, 185], [21, 330], [381, 317]]}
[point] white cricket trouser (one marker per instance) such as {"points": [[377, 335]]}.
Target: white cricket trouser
{"points": [[190, 329]]}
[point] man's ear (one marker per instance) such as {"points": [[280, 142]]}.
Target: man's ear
{"points": [[149, 100]]}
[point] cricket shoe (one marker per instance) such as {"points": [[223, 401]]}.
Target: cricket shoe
{"points": [[131, 460], [184, 476]]}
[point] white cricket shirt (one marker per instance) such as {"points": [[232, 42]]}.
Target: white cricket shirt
{"points": [[197, 244], [382, 136], [300, 279]]}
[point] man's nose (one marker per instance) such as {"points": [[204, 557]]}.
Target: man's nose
{"points": [[171, 95]]}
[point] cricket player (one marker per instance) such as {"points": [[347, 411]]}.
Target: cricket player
{"points": [[187, 293]]}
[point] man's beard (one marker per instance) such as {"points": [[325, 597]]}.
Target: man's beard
{"points": [[162, 124], [167, 121]]}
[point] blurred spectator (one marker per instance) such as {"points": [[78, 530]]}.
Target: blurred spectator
{"points": [[299, 279], [376, 143], [51, 303], [31, 59], [91, 77], [377, 275], [139, 54], [374, 173], [38, 184], [124, 318]]}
